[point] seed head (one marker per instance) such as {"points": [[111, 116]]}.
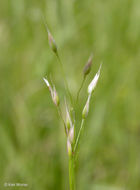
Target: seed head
{"points": [[93, 83], [86, 108], [87, 67], [52, 42]]}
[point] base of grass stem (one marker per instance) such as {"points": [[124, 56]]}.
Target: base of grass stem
{"points": [[71, 172]]}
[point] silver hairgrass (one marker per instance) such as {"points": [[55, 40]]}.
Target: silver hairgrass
{"points": [[68, 120]]}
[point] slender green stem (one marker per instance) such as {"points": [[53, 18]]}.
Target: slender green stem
{"points": [[60, 114], [65, 80], [78, 93], [79, 133], [71, 172]]}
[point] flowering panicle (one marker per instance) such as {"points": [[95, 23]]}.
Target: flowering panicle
{"points": [[69, 121]]}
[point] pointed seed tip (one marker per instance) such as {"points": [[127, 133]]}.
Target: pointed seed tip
{"points": [[46, 81]]}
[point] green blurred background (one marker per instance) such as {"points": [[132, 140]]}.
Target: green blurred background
{"points": [[32, 139]]}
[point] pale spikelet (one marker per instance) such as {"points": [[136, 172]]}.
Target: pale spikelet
{"points": [[87, 67], [68, 117], [53, 92], [52, 42], [69, 148], [93, 83], [55, 97], [47, 82], [49, 86], [71, 134], [86, 108]]}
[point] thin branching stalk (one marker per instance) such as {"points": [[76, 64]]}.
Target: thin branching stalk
{"points": [[65, 80], [79, 134], [60, 114], [78, 93]]}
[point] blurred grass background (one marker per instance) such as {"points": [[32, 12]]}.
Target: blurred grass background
{"points": [[32, 140]]}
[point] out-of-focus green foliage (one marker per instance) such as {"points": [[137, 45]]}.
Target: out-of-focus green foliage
{"points": [[32, 139]]}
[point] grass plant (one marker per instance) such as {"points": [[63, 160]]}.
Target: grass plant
{"points": [[69, 120]]}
